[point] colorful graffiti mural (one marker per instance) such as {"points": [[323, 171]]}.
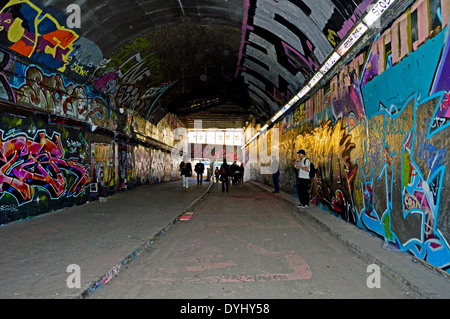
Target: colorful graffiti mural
{"points": [[31, 32], [134, 81], [75, 163], [35, 34], [33, 86], [140, 165], [37, 162], [36, 87], [6, 92], [382, 157], [47, 166], [41, 168], [66, 149], [104, 168]]}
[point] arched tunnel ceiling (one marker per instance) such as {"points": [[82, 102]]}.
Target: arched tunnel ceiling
{"points": [[217, 60]]}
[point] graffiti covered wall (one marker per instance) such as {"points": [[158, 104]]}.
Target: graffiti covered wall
{"points": [[63, 141], [47, 166], [378, 134], [42, 37], [40, 167]]}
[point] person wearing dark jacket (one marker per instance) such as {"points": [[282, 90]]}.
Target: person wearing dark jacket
{"points": [[234, 172], [186, 172], [224, 171], [275, 170], [199, 168], [241, 174], [216, 174]]}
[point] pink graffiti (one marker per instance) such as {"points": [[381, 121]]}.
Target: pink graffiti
{"points": [[280, 97], [26, 163], [105, 80], [245, 28], [348, 24], [444, 109]]}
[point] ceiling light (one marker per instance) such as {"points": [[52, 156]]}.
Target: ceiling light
{"points": [[330, 62], [293, 101], [254, 137], [376, 11], [354, 36], [303, 92], [277, 116], [286, 108], [316, 78]]}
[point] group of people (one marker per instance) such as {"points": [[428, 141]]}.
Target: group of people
{"points": [[232, 172], [186, 172], [235, 173]]}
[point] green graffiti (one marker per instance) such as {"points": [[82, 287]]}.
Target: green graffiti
{"points": [[406, 170], [387, 227]]}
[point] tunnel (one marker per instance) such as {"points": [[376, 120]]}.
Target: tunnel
{"points": [[100, 98]]}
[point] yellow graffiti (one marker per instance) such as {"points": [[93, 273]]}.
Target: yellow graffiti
{"points": [[16, 31], [331, 37], [103, 162]]}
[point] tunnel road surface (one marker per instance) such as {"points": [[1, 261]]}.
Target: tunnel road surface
{"points": [[247, 243]]}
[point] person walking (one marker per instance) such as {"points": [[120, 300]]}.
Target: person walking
{"points": [[186, 172], [303, 180], [275, 170], [216, 174], [199, 169], [181, 168], [241, 173], [234, 172], [224, 171]]}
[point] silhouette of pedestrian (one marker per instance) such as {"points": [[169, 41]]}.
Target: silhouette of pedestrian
{"points": [[199, 169], [224, 171], [275, 170]]}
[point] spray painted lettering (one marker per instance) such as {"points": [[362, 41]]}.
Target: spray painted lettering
{"points": [[26, 163]]}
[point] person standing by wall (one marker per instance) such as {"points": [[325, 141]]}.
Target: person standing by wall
{"points": [[303, 180], [241, 173], [186, 172], [275, 170]]}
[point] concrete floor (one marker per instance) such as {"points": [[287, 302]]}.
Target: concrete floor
{"points": [[96, 236], [247, 244]]}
